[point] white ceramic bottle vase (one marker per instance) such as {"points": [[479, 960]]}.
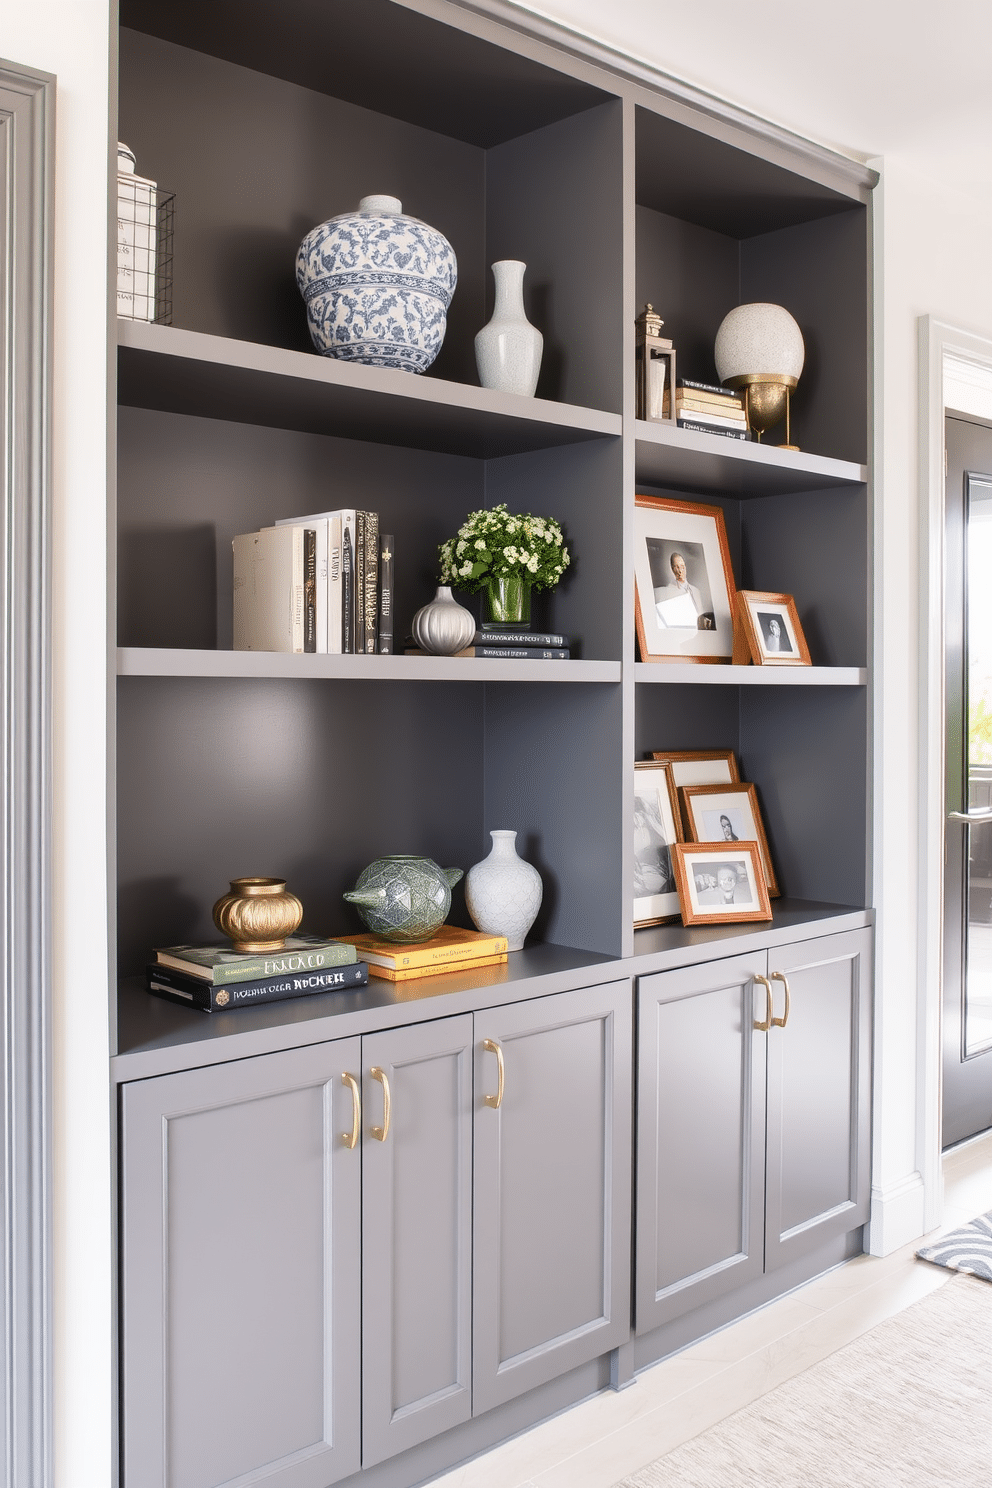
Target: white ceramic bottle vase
{"points": [[508, 349], [503, 893]]}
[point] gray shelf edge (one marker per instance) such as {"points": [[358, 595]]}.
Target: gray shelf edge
{"points": [[298, 1022], [758, 457], [137, 661], [279, 362], [720, 675]]}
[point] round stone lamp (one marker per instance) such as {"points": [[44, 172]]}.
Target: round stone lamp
{"points": [[760, 349]]}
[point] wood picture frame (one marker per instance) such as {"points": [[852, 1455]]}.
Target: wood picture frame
{"points": [[720, 883], [684, 591], [710, 812], [657, 828], [700, 766], [769, 623]]}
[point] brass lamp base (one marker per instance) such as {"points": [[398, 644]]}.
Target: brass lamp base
{"points": [[767, 397]]}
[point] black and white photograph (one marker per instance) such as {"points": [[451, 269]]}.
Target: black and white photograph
{"points": [[656, 829], [716, 813], [770, 623], [683, 582], [717, 884]]}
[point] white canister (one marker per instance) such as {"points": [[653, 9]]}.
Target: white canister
{"points": [[503, 893]]}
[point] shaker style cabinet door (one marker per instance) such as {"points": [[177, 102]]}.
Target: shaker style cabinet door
{"points": [[700, 1135], [241, 1216], [552, 1187], [819, 1078], [417, 1234]]}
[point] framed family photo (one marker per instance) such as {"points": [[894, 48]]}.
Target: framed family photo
{"points": [[720, 882], [683, 582], [728, 813], [656, 830], [770, 625]]}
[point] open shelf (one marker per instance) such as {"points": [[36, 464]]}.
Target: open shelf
{"points": [[679, 945], [685, 460], [718, 675], [190, 372], [139, 661]]}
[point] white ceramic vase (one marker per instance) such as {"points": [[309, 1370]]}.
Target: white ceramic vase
{"points": [[508, 349], [503, 893], [443, 626]]}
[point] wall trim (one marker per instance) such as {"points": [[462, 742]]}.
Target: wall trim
{"points": [[897, 1214], [937, 341], [27, 141]]}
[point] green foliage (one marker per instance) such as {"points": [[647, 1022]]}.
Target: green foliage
{"points": [[980, 732], [496, 544]]}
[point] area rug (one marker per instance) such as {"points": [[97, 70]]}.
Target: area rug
{"points": [[908, 1405], [968, 1249]]}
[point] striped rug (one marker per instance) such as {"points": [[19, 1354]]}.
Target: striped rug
{"points": [[968, 1249]]}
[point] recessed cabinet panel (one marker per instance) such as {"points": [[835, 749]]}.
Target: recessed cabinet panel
{"points": [[551, 1188], [818, 1094], [417, 1235], [236, 1364], [700, 1142]]}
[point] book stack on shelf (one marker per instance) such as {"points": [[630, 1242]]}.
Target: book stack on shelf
{"points": [[709, 409], [215, 979], [320, 583], [448, 949], [503, 643]]}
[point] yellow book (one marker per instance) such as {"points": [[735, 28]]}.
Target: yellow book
{"points": [[408, 973], [450, 943]]}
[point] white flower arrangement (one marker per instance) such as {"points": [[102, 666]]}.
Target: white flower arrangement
{"points": [[496, 544]]}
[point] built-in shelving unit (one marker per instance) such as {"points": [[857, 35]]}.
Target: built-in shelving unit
{"points": [[311, 766]]}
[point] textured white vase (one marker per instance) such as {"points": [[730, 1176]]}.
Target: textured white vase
{"points": [[758, 338], [508, 349], [443, 626], [503, 893]]}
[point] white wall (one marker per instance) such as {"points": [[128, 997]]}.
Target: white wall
{"points": [[71, 40]]}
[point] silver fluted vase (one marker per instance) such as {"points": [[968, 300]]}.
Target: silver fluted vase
{"points": [[443, 626]]}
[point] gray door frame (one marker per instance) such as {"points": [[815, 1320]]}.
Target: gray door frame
{"points": [[27, 141]]}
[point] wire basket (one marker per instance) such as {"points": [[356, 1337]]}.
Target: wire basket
{"points": [[145, 223]]}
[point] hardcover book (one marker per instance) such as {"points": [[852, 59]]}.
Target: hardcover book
{"points": [[700, 428], [370, 609], [219, 964], [359, 596], [411, 973], [449, 943], [506, 653], [319, 525], [269, 590], [494, 635], [209, 998], [386, 549]]}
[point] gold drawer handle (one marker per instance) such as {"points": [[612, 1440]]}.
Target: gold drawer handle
{"points": [[381, 1132], [778, 976], [764, 1027], [492, 1047], [350, 1139]]}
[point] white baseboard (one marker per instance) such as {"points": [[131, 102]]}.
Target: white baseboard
{"points": [[898, 1214]]}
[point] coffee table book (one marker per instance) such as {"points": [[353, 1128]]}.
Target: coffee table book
{"points": [[220, 965], [174, 986], [448, 944], [409, 973]]}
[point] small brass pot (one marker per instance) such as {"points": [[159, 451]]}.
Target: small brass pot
{"points": [[258, 914]]}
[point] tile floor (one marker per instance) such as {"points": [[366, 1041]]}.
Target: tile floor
{"points": [[613, 1434]]}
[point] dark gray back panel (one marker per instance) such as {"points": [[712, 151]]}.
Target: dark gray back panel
{"points": [[691, 275], [256, 163], [554, 199], [551, 776], [686, 717], [305, 781]]}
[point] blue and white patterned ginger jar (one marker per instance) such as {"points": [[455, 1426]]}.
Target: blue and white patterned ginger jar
{"points": [[377, 286]]}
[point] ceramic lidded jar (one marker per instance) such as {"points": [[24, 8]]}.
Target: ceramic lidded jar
{"points": [[503, 893], [404, 898], [377, 286]]}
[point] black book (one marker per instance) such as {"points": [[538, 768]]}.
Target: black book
{"points": [[505, 635], [371, 607], [386, 595], [688, 423], [309, 589], [710, 387], [359, 598], [191, 991], [347, 592]]}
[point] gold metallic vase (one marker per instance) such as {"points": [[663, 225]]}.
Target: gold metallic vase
{"points": [[258, 914], [767, 399]]}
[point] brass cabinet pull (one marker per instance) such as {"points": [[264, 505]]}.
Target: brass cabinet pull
{"points": [[779, 976], [350, 1139], [492, 1047], [381, 1132], [764, 1027]]}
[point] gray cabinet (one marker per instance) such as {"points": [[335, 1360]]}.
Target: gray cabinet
{"points": [[753, 1141], [552, 1187], [241, 1228]]}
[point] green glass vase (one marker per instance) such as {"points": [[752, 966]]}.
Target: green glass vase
{"points": [[507, 600]]}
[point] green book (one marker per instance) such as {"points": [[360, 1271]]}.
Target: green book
{"points": [[219, 964]]}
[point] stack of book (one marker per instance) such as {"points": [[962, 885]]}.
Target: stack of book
{"points": [[709, 409], [503, 643], [449, 949], [320, 583], [215, 978]]}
